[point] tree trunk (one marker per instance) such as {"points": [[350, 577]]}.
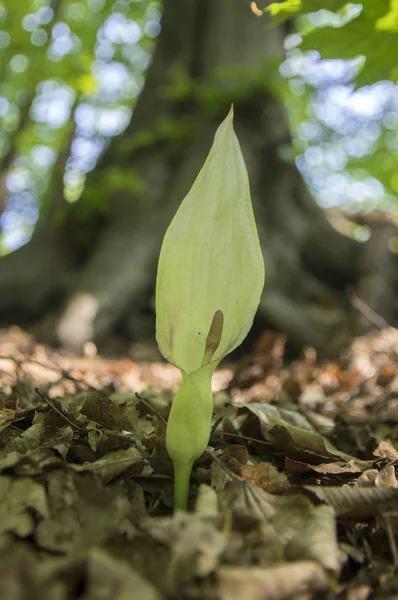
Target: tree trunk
{"points": [[210, 53]]}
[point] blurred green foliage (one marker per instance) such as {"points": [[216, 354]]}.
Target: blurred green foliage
{"points": [[71, 71], [372, 34], [345, 119]]}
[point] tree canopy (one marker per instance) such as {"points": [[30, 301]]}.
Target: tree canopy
{"points": [[357, 44], [71, 72], [70, 75]]}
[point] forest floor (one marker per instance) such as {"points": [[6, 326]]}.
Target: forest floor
{"points": [[295, 498]]}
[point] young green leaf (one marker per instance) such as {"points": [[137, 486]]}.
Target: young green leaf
{"points": [[209, 283], [210, 262]]}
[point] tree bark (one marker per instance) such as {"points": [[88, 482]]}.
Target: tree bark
{"points": [[221, 53]]}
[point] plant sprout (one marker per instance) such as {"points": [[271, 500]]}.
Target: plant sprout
{"points": [[209, 283]]}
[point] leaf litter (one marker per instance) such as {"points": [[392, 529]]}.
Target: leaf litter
{"points": [[296, 497]]}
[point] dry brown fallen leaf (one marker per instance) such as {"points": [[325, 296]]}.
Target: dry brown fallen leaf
{"points": [[282, 582]]}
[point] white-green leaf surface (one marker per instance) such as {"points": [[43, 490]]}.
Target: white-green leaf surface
{"points": [[210, 262]]}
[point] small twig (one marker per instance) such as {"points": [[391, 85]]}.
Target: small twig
{"points": [[59, 412], [78, 382], [46, 387], [94, 466], [141, 399], [215, 425], [223, 467], [391, 540], [366, 310], [249, 439]]}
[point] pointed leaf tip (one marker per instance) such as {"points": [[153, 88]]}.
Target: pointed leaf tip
{"points": [[230, 115], [211, 270]]}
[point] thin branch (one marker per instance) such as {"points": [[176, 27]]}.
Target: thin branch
{"points": [[59, 412], [365, 310], [141, 399]]}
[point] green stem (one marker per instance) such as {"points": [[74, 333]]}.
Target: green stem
{"points": [[188, 428], [182, 475]]}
